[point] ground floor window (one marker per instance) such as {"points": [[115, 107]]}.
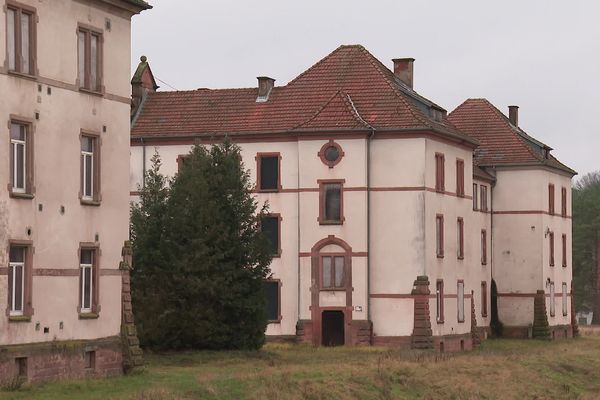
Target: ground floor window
{"points": [[461, 301], [439, 295], [564, 299], [333, 272], [16, 280], [552, 305], [273, 296], [484, 299]]}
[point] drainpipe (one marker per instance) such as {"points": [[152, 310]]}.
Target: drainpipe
{"points": [[492, 185], [143, 163], [369, 138], [298, 223]]}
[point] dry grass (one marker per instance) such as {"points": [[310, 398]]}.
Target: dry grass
{"points": [[502, 369]]}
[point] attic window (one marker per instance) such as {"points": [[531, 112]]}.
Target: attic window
{"points": [[436, 114]]}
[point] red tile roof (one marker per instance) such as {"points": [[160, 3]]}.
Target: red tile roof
{"points": [[500, 143], [347, 90]]}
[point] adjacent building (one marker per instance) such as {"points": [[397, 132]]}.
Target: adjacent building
{"points": [[64, 206], [389, 218]]}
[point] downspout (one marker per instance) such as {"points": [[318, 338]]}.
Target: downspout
{"points": [[369, 138], [298, 222], [143, 163]]}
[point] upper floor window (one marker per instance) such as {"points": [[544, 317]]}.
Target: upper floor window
{"points": [[475, 197], [270, 226], [439, 236], [439, 172], [550, 199], [551, 249], [460, 238], [20, 38], [484, 199], [331, 202], [564, 250], [90, 169], [460, 178], [332, 272], [483, 247], [21, 158], [268, 167], [563, 203], [460, 288], [89, 45]]}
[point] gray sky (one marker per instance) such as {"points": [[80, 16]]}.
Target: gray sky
{"points": [[543, 56]]}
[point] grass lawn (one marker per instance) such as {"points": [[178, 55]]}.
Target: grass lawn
{"points": [[499, 369]]}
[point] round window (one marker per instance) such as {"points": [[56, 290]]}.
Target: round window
{"points": [[332, 153]]}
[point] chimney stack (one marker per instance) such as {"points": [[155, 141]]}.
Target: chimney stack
{"points": [[513, 115], [403, 69], [265, 85]]}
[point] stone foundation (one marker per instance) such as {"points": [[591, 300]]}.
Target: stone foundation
{"points": [[47, 361], [361, 332], [453, 343], [402, 342]]}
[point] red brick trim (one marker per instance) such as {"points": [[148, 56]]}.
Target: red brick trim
{"points": [[258, 159], [353, 254], [533, 212], [327, 145]]}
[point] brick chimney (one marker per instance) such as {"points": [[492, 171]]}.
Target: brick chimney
{"points": [[403, 69], [265, 85], [513, 115]]}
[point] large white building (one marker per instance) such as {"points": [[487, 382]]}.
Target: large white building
{"points": [[64, 204], [389, 218]]}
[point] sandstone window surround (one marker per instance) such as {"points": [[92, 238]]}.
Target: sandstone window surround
{"points": [[551, 199], [440, 179], [475, 197], [331, 154], [21, 157], [483, 247], [460, 299], [484, 299], [565, 308], [483, 198], [273, 294], [552, 300], [268, 172], [90, 156], [551, 248], [270, 225], [564, 250], [460, 178], [460, 238], [439, 235], [21, 39], [331, 201], [90, 42], [563, 196], [439, 296], [20, 280], [89, 280]]}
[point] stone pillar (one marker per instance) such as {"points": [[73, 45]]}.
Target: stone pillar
{"points": [[132, 353], [541, 329], [474, 331], [574, 324], [422, 336]]}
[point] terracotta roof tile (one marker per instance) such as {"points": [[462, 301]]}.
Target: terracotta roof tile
{"points": [[501, 143], [348, 89]]}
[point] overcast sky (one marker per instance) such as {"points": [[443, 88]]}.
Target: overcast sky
{"points": [[543, 56]]}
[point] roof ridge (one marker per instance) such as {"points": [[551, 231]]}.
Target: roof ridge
{"points": [[318, 111], [322, 60]]}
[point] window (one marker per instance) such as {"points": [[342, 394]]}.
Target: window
{"points": [[333, 272], [551, 199], [90, 169], [439, 235], [268, 168], [460, 178], [331, 154], [564, 250], [331, 199], [551, 249], [484, 202], [475, 198], [439, 172], [21, 159], [460, 296], [439, 297], [484, 299], [483, 247], [565, 308], [552, 302], [181, 161], [460, 239], [21, 367], [20, 39], [563, 203], [16, 280], [273, 295], [89, 45], [270, 226], [88, 280], [89, 359], [20, 278]]}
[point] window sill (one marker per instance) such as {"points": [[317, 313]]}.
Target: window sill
{"points": [[484, 264], [483, 315], [19, 318], [92, 92], [440, 321], [88, 315], [461, 322], [274, 321], [332, 289], [23, 75], [94, 203], [440, 256], [19, 195], [460, 257], [331, 222]]}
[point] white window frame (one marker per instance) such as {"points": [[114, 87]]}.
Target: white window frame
{"points": [[12, 266], [552, 302], [83, 267], [84, 155], [15, 143]]}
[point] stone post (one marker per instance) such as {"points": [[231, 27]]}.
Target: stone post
{"points": [[422, 336], [474, 331], [541, 329], [132, 353]]}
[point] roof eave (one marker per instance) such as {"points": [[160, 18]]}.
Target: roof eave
{"points": [[133, 6]]}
